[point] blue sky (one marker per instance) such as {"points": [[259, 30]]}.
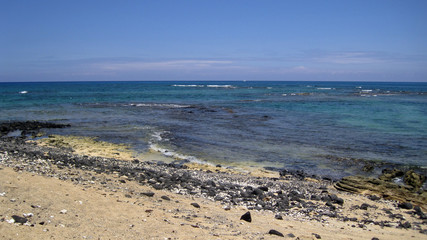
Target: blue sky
{"points": [[58, 40]]}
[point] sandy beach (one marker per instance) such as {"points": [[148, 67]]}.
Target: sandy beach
{"points": [[80, 188]]}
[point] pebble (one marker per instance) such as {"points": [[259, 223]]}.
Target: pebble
{"points": [[405, 205], [148, 194], [196, 205], [364, 206], [63, 211], [165, 198], [18, 219], [317, 236], [246, 217], [275, 232]]}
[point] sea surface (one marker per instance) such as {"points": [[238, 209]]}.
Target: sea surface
{"points": [[326, 128]]}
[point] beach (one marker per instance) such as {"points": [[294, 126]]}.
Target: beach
{"points": [[50, 190]]}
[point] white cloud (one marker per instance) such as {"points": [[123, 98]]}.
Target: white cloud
{"points": [[349, 58]]}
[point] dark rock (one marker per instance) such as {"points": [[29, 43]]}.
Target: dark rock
{"points": [[317, 236], [246, 217], [291, 235], [374, 197], [315, 198], [405, 225], [405, 205], [278, 217], [336, 199], [275, 232], [196, 205], [375, 238], [19, 219], [122, 181], [165, 198], [148, 194], [263, 188], [353, 219], [258, 192], [364, 206]]}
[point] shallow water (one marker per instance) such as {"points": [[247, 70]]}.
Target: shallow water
{"points": [[328, 128]]}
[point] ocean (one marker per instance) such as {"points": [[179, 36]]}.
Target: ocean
{"points": [[326, 128]]}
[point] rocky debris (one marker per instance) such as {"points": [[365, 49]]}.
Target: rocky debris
{"points": [[287, 195], [386, 189], [275, 232], [246, 217], [231, 189], [28, 127]]}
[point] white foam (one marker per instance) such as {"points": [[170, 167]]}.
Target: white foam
{"points": [[23, 92], [324, 88], [162, 105], [220, 86], [189, 85], [366, 91], [174, 155]]}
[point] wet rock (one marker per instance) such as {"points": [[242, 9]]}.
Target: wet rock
{"points": [[19, 219], [390, 174], [275, 232], [196, 205], [414, 179], [246, 217], [386, 189], [405, 205]]}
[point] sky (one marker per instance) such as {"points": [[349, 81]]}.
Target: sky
{"points": [[289, 40]]}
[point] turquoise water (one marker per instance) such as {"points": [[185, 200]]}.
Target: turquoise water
{"points": [[327, 128]]}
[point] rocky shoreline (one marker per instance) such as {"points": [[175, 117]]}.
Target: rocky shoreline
{"points": [[291, 194]]}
